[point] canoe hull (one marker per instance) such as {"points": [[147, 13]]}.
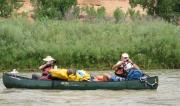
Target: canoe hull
{"points": [[14, 81]]}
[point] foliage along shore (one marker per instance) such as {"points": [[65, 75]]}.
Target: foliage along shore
{"points": [[151, 43]]}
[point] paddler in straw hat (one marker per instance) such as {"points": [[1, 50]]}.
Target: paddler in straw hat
{"points": [[50, 64]]}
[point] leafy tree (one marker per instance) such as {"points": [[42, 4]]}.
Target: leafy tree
{"points": [[53, 9], [7, 6], [167, 9]]}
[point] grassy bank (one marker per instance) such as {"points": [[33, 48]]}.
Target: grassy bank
{"points": [[150, 43]]}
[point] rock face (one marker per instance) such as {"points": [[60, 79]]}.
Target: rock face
{"points": [[89, 2], [110, 5]]}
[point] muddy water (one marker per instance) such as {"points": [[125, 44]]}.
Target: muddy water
{"points": [[167, 94]]}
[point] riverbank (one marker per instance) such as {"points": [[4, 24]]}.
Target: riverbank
{"points": [[151, 43]]}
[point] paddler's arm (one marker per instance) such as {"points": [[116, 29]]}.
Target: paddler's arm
{"points": [[117, 65], [49, 63], [134, 65], [42, 66]]}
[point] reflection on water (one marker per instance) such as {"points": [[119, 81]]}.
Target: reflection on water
{"points": [[167, 94]]}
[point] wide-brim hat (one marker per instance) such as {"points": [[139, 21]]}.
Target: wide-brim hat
{"points": [[49, 58]]}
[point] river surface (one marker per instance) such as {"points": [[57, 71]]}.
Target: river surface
{"points": [[167, 94]]}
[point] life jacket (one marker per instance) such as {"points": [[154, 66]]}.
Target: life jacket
{"points": [[121, 72], [46, 70]]}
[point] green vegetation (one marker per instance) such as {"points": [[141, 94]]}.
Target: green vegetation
{"points": [[52, 9], [167, 9], [93, 13], [151, 43], [95, 42], [118, 14], [7, 6]]}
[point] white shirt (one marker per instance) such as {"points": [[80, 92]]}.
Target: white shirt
{"points": [[126, 66]]}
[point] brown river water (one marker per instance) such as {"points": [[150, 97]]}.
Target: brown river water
{"points": [[167, 94]]}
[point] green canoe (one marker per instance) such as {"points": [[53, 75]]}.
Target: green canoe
{"points": [[16, 81]]}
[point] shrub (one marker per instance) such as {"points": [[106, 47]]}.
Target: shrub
{"points": [[76, 11], [133, 14], [101, 12], [118, 15], [91, 12]]}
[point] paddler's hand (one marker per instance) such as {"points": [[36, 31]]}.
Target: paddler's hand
{"points": [[130, 61]]}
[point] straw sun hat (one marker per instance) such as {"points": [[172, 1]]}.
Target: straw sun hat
{"points": [[48, 58]]}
